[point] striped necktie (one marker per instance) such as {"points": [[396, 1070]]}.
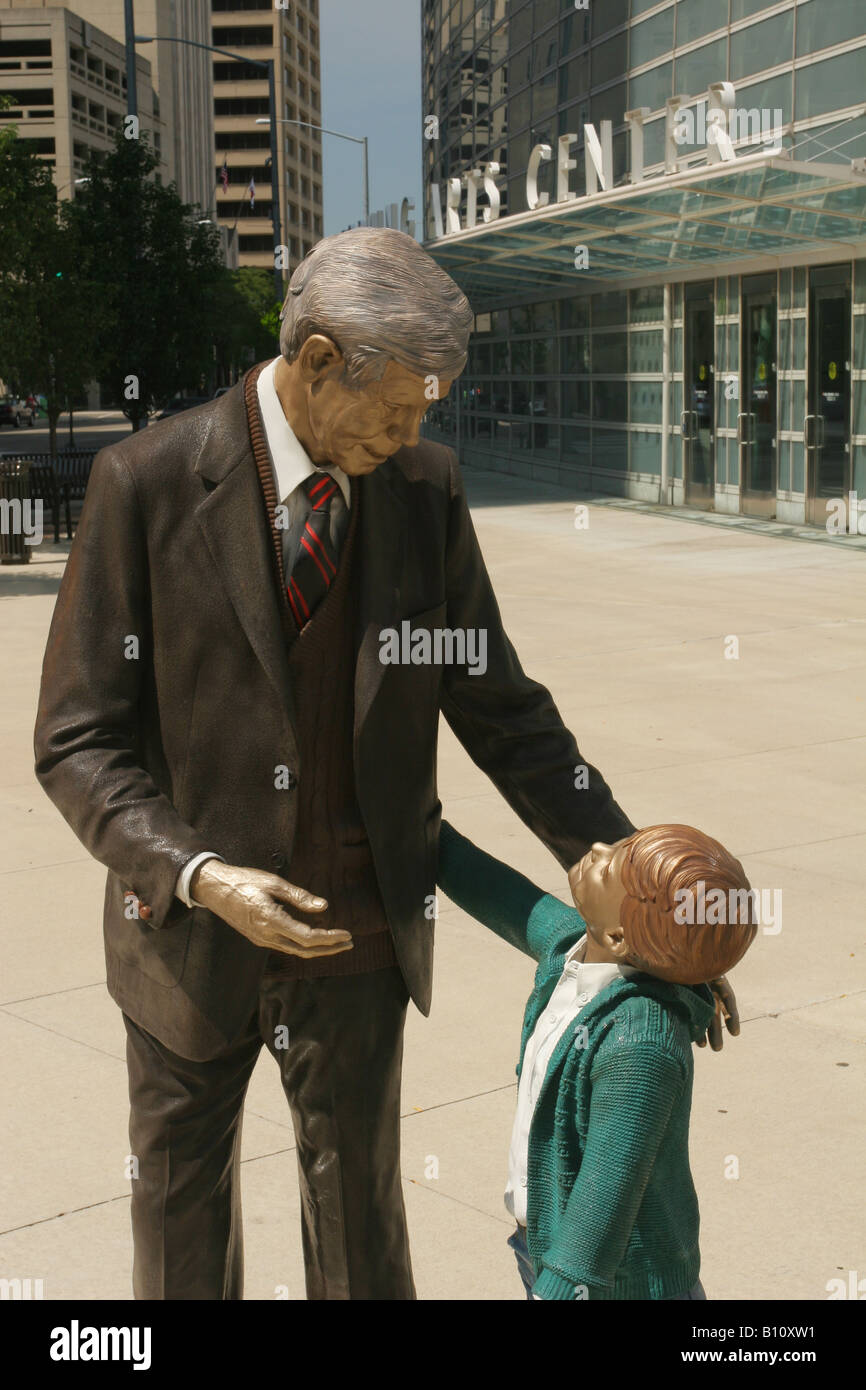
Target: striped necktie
{"points": [[316, 563]]}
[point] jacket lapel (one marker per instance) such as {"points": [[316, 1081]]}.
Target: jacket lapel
{"points": [[232, 518], [381, 543]]}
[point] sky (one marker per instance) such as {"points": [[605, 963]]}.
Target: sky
{"points": [[371, 85]]}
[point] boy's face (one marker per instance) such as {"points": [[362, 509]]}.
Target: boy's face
{"points": [[597, 888]]}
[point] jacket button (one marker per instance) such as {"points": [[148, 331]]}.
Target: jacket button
{"points": [[276, 859], [145, 912]]}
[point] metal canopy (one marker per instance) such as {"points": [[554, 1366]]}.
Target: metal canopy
{"points": [[764, 206]]}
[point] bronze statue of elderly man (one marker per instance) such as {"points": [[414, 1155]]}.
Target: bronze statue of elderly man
{"points": [[219, 729]]}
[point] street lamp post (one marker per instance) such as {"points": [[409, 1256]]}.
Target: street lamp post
{"points": [[356, 139], [268, 65]]}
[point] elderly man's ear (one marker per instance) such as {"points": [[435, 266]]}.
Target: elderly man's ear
{"points": [[318, 356]]}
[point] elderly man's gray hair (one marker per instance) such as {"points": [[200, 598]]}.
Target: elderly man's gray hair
{"points": [[378, 295]]}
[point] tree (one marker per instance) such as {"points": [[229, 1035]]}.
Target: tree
{"points": [[246, 320], [152, 269], [46, 340]]}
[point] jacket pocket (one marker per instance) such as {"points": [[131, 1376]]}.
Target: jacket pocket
{"points": [[160, 955]]}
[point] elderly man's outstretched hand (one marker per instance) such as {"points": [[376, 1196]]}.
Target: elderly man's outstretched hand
{"points": [[249, 901]]}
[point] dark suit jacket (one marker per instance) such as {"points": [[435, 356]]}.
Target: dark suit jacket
{"points": [[154, 757]]}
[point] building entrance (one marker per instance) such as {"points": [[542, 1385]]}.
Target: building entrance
{"points": [[757, 424], [698, 418], [828, 423]]}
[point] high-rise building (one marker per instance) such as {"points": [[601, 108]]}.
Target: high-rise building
{"points": [[658, 211], [288, 34], [67, 81], [181, 119]]}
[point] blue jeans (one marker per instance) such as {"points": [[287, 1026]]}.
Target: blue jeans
{"points": [[527, 1273]]}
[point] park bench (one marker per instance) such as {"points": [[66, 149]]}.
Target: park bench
{"points": [[59, 481]]}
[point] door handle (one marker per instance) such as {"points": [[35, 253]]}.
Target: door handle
{"points": [[741, 433], [809, 431]]}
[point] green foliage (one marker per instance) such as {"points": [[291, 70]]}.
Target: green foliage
{"points": [[152, 270], [46, 342], [247, 319], [124, 283]]}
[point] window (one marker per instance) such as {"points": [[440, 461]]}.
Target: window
{"points": [[238, 72], [651, 88], [695, 71], [26, 48], [824, 22], [245, 36], [250, 243], [763, 45], [241, 106], [29, 96], [651, 38], [695, 18]]}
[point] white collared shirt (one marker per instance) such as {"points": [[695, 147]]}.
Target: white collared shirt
{"points": [[291, 465], [576, 986]]}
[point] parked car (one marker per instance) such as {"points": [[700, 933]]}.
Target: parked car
{"points": [[179, 403], [14, 411]]}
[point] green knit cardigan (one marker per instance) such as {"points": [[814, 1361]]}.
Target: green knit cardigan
{"points": [[611, 1207]]}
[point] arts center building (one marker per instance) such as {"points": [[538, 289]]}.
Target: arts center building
{"points": [[658, 212]]}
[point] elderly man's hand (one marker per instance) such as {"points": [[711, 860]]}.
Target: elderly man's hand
{"points": [[249, 901], [726, 1006]]}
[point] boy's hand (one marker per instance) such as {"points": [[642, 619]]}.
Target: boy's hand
{"points": [[726, 1006]]}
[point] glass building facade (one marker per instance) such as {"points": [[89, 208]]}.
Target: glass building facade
{"points": [[711, 344]]}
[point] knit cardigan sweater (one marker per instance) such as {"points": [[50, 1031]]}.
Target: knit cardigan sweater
{"points": [[611, 1207]]}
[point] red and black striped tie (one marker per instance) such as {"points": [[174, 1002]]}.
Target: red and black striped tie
{"points": [[316, 562]]}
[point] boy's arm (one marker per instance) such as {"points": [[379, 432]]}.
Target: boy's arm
{"points": [[633, 1094], [497, 896]]}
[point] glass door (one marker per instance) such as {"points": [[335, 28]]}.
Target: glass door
{"points": [[757, 424], [697, 422], [828, 423]]}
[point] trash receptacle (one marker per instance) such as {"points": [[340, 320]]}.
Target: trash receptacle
{"points": [[14, 511]]}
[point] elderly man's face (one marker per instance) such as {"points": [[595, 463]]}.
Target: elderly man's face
{"points": [[359, 429]]}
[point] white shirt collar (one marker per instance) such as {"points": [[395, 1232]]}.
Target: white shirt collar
{"points": [[598, 974], [289, 459]]}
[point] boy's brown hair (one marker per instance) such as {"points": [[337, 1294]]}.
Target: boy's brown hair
{"points": [[661, 912]]}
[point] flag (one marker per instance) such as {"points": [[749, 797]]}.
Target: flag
{"points": [[224, 174], [252, 193]]}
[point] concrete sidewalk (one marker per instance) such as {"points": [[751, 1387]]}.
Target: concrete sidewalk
{"points": [[627, 622]]}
